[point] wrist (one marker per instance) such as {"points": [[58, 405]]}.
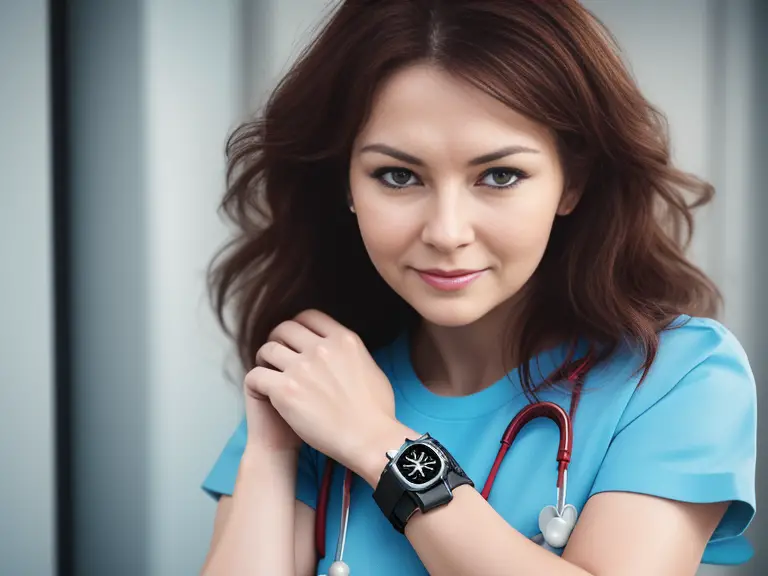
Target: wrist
{"points": [[371, 458], [266, 474], [262, 457]]}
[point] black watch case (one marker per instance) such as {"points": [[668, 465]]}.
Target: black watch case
{"points": [[420, 475], [419, 464]]}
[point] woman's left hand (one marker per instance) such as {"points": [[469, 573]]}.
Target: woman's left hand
{"points": [[326, 386]]}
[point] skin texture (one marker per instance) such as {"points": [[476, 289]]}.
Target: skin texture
{"points": [[316, 382]]}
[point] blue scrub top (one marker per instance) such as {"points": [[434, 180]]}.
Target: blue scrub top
{"points": [[688, 433]]}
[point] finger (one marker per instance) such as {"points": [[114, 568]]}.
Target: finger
{"points": [[261, 382], [295, 335], [319, 322], [276, 355]]}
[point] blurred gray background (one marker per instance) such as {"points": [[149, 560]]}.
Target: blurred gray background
{"points": [[112, 338]]}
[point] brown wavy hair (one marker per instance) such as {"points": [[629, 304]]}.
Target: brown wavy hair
{"points": [[614, 271]]}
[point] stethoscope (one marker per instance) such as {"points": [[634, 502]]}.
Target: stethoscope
{"points": [[555, 522]]}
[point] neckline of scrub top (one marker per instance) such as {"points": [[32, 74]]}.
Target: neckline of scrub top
{"points": [[489, 399]]}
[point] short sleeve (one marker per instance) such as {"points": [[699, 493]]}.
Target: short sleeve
{"points": [[221, 478], [693, 440]]}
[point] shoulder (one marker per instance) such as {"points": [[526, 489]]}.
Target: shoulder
{"points": [[700, 369], [690, 341], [688, 432], [699, 348]]}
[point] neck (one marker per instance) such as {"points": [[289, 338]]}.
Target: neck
{"points": [[462, 360]]}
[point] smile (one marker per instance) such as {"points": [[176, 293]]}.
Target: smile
{"points": [[449, 280]]}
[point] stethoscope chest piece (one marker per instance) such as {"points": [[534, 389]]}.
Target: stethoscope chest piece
{"points": [[338, 568], [556, 527]]}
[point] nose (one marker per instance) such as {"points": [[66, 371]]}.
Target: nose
{"points": [[448, 224]]}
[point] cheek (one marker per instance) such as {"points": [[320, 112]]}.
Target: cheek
{"points": [[386, 242], [385, 239], [520, 229], [384, 223], [386, 232]]}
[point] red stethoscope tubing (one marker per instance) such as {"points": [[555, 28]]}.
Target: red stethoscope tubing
{"points": [[536, 410]]}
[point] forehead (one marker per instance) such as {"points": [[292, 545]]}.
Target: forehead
{"points": [[422, 103]]}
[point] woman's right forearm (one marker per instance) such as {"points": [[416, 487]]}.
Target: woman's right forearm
{"points": [[258, 537]]}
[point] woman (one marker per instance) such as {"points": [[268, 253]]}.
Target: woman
{"points": [[477, 193]]}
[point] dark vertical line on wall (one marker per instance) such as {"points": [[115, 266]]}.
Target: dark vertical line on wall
{"points": [[759, 146], [246, 46], [256, 55], [716, 94], [108, 71], [59, 87]]}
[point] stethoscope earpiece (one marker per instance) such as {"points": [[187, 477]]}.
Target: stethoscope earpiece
{"points": [[556, 527]]}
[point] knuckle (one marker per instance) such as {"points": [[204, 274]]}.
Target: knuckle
{"points": [[322, 351], [289, 389], [263, 353], [304, 366], [303, 314], [272, 346], [252, 376], [253, 379], [264, 347], [350, 339], [272, 349], [279, 329]]}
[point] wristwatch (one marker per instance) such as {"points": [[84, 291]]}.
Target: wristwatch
{"points": [[421, 475]]}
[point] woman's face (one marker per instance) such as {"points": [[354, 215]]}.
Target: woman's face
{"points": [[455, 195]]}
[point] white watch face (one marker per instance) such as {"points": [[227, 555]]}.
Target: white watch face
{"points": [[419, 464]]}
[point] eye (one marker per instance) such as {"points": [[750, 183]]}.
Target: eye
{"points": [[502, 177], [395, 177]]}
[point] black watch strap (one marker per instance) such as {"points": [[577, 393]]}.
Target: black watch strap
{"points": [[402, 512], [394, 499]]}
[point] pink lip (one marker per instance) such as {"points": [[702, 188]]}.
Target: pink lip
{"points": [[449, 280]]}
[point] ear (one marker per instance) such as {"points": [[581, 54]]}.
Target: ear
{"points": [[569, 200], [576, 177]]}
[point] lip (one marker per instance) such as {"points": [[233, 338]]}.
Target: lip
{"points": [[449, 280], [448, 273]]}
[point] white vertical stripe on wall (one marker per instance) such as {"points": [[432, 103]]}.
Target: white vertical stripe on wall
{"points": [[155, 91], [192, 94], [27, 444]]}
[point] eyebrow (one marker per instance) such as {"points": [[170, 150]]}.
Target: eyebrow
{"points": [[484, 159]]}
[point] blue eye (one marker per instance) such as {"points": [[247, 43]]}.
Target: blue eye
{"points": [[502, 177], [395, 177]]}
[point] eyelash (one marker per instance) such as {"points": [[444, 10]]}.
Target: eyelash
{"points": [[516, 172]]}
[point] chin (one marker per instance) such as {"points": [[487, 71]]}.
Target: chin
{"points": [[448, 313]]}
